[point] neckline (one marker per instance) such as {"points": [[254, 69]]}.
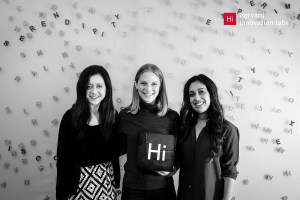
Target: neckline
{"points": [[93, 125], [147, 106]]}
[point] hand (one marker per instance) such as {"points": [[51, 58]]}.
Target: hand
{"points": [[119, 192], [163, 173]]}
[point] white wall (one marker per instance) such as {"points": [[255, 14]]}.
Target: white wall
{"points": [[174, 36]]}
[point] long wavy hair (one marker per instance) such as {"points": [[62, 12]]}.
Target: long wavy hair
{"points": [[161, 99], [81, 108], [215, 114]]}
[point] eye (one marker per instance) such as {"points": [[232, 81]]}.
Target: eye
{"points": [[89, 87], [191, 94], [99, 86], [201, 92]]}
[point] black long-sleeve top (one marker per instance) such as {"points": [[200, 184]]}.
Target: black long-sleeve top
{"points": [[200, 177], [73, 153], [129, 128]]}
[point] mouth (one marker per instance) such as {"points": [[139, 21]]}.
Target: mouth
{"points": [[148, 94], [199, 104], [94, 97]]}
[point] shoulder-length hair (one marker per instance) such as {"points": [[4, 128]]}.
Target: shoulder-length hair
{"points": [[161, 99], [215, 114], [81, 108]]}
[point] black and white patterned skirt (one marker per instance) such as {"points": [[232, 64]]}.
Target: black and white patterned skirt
{"points": [[96, 183]]}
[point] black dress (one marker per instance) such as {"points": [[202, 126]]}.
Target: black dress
{"points": [[96, 178], [129, 128], [87, 166]]}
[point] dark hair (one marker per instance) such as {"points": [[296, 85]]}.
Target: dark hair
{"points": [[81, 108], [215, 114]]}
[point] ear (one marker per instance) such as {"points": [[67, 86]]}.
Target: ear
{"points": [[135, 84]]}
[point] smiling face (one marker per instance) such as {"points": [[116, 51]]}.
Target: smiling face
{"points": [[96, 90], [199, 98], [148, 86]]}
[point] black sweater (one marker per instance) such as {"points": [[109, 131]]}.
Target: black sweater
{"points": [[73, 153], [129, 127]]}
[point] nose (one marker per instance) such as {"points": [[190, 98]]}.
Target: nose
{"points": [[197, 96], [148, 88], [93, 90]]}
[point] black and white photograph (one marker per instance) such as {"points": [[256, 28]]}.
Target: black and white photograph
{"points": [[149, 100]]}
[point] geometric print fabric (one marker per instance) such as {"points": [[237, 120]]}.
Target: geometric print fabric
{"points": [[96, 183]]}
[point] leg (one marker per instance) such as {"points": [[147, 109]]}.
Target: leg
{"points": [[167, 193], [132, 194]]}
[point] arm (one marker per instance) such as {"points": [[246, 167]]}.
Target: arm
{"points": [[228, 188], [62, 159], [115, 155], [121, 139], [229, 160], [175, 132], [116, 167]]}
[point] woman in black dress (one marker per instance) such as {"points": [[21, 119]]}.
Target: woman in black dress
{"points": [[148, 112], [88, 164]]}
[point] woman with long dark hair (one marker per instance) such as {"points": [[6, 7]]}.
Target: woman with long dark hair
{"points": [[87, 160], [208, 145]]}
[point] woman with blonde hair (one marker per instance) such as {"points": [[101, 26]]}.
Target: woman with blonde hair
{"points": [[148, 112]]}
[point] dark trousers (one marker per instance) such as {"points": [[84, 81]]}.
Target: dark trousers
{"points": [[158, 194]]}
